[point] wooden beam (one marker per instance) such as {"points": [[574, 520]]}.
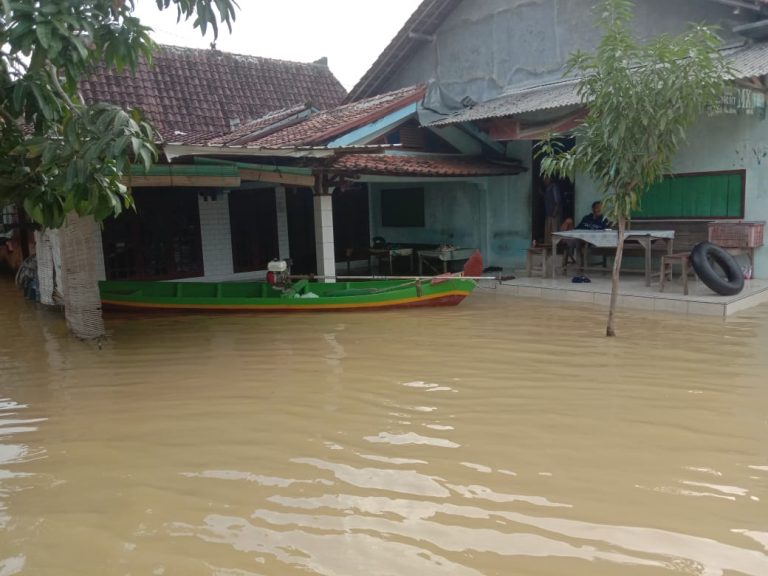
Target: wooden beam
{"points": [[182, 181], [277, 178]]}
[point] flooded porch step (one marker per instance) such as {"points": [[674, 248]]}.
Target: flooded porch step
{"points": [[635, 295]]}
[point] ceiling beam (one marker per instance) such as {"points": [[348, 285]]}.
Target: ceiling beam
{"points": [[277, 178], [182, 181]]}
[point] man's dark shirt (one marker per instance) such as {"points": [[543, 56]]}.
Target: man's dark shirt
{"points": [[592, 222]]}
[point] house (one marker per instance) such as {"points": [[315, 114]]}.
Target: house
{"points": [[188, 94], [504, 62], [377, 172], [241, 183]]}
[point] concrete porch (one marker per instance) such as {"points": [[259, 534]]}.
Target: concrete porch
{"points": [[635, 295]]}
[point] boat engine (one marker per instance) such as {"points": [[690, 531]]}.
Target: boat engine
{"points": [[278, 273]]}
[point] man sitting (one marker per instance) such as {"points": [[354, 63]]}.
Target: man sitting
{"points": [[594, 220]]}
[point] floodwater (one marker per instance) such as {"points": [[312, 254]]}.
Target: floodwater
{"points": [[505, 436]]}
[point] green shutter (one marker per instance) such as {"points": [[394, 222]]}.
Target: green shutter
{"points": [[695, 196]]}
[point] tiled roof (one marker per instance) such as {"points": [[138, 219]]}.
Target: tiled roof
{"points": [[423, 165], [748, 61], [189, 90], [322, 127], [424, 22]]}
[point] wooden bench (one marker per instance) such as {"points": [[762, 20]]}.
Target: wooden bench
{"points": [[688, 233]]}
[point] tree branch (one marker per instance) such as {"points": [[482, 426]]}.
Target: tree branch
{"points": [[60, 90]]}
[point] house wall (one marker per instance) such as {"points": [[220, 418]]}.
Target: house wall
{"points": [[713, 144], [509, 213], [453, 214], [486, 46], [492, 214]]}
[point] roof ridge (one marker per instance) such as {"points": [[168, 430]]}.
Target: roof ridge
{"points": [[238, 54]]}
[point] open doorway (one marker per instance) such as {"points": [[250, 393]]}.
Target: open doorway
{"points": [[567, 193]]}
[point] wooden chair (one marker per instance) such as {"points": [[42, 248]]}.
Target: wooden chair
{"points": [[668, 262]]}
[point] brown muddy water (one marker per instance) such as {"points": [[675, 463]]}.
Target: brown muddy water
{"points": [[505, 436]]}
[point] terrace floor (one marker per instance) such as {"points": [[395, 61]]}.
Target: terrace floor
{"points": [[635, 295]]}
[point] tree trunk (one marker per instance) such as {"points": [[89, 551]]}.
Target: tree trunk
{"points": [[609, 331], [79, 239], [49, 266]]}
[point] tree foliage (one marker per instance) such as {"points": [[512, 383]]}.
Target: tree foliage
{"points": [[57, 153], [641, 98]]}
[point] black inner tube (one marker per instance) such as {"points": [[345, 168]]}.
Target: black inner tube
{"points": [[719, 271]]}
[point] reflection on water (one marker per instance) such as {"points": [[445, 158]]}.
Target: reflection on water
{"points": [[501, 437]]}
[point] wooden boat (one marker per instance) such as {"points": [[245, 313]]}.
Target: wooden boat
{"points": [[301, 295]]}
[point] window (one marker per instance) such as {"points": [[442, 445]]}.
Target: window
{"points": [[402, 207], [706, 195], [160, 240]]}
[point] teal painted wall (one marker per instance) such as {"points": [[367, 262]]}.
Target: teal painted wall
{"points": [[492, 214], [509, 213], [728, 143], [713, 144], [454, 213]]}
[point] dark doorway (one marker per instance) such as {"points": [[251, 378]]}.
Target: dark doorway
{"points": [[301, 229], [567, 191], [351, 226], [253, 221], [160, 240]]}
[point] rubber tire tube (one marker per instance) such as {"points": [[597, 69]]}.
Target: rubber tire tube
{"points": [[702, 257]]}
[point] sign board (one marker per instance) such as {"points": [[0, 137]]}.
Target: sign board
{"points": [[740, 102]]}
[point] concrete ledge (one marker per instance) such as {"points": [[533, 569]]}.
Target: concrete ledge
{"points": [[635, 295]]}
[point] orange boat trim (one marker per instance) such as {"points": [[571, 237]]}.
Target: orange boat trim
{"points": [[387, 304]]}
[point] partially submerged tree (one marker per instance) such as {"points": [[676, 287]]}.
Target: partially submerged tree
{"points": [[58, 155], [641, 99]]}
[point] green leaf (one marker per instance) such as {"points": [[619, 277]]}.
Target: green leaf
{"points": [[44, 34]]}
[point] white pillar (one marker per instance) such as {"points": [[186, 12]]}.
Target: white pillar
{"points": [[283, 242], [324, 246], [216, 234]]}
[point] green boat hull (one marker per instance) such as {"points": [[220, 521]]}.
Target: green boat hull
{"points": [[302, 296]]}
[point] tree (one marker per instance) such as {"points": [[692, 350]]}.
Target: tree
{"points": [[641, 98], [58, 155]]}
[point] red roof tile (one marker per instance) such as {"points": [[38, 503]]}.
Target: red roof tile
{"points": [[423, 165], [189, 90], [322, 127]]}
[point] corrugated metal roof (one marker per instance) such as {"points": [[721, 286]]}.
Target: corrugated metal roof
{"points": [[750, 61], [535, 99], [747, 61]]}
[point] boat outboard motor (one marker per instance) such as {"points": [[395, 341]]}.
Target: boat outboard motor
{"points": [[278, 273]]}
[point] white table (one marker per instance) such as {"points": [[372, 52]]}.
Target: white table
{"points": [[610, 239], [444, 256]]}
